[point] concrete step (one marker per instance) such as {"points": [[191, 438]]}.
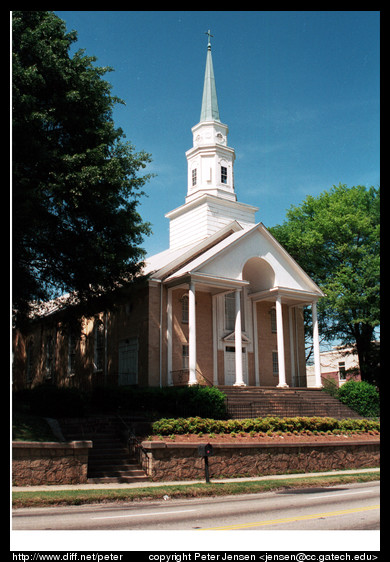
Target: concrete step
{"points": [[114, 472], [109, 459], [261, 401], [117, 479]]}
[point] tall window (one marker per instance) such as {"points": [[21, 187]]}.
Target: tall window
{"points": [[71, 353], [342, 373], [275, 364], [194, 176], [49, 357], [128, 361], [223, 174], [184, 309], [29, 362], [230, 311], [273, 320], [99, 346], [185, 357]]}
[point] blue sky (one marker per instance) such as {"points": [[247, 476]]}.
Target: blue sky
{"points": [[298, 90]]}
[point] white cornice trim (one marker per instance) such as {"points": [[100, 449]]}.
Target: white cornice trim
{"points": [[207, 198]]}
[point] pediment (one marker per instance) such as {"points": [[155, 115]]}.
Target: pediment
{"points": [[258, 243], [226, 261], [231, 338]]}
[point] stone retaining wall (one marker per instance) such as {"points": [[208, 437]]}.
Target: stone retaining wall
{"points": [[35, 464], [163, 461]]}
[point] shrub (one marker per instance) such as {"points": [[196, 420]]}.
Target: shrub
{"points": [[269, 425], [161, 402], [49, 400], [55, 402], [361, 397], [203, 400]]}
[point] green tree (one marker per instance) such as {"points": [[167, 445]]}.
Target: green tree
{"points": [[76, 182], [335, 239]]}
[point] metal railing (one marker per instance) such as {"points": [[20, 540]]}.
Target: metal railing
{"points": [[134, 446], [182, 376], [293, 409]]}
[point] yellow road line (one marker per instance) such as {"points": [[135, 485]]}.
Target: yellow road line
{"points": [[291, 519]]}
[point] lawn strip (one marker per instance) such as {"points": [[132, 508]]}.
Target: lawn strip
{"points": [[79, 497]]}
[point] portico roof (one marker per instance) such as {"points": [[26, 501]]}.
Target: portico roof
{"points": [[222, 265]]}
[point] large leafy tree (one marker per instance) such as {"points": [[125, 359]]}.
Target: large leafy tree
{"points": [[335, 239], [76, 182]]}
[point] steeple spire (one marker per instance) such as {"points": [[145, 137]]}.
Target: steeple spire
{"points": [[211, 202], [209, 110]]}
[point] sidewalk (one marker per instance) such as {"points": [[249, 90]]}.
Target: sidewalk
{"points": [[147, 484]]}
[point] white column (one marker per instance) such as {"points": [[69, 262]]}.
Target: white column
{"points": [[215, 344], [316, 346], [192, 335], [292, 354], [256, 343], [238, 341], [280, 337], [169, 336]]}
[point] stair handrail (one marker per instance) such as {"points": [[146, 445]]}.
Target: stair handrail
{"points": [[183, 376], [133, 444], [208, 381]]}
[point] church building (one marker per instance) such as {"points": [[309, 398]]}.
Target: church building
{"points": [[223, 305]]}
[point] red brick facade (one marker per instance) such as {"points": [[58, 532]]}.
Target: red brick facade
{"points": [[89, 353]]}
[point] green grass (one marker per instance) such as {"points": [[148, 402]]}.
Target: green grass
{"points": [[79, 497]]}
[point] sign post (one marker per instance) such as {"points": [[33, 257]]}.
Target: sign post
{"points": [[206, 451]]}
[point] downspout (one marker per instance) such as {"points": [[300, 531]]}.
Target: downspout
{"points": [[160, 342], [105, 347]]}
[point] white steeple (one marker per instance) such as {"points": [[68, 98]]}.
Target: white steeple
{"points": [[211, 202], [210, 161]]}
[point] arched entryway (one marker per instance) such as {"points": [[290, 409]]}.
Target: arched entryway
{"points": [[260, 275]]}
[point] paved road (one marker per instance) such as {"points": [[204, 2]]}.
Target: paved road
{"points": [[342, 507]]}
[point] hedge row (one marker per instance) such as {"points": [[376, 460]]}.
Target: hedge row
{"points": [[182, 426], [50, 401]]}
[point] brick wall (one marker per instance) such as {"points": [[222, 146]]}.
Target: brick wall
{"points": [[169, 461], [36, 464]]}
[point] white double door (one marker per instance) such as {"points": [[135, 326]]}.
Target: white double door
{"points": [[230, 365]]}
